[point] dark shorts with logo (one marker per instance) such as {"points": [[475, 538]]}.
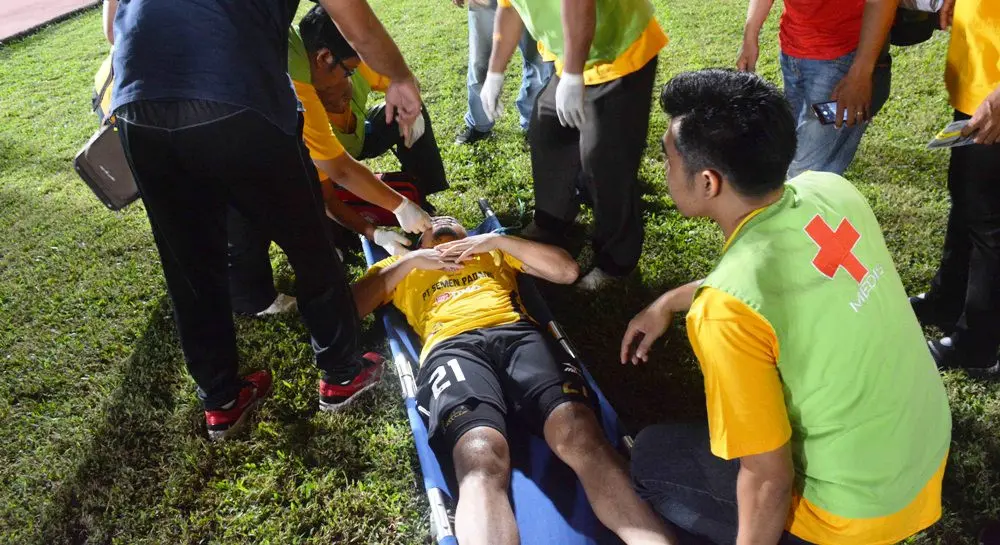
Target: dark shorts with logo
{"points": [[479, 377]]}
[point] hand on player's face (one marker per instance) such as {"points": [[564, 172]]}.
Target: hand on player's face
{"points": [[429, 259], [461, 250]]}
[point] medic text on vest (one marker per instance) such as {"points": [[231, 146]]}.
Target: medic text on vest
{"points": [[866, 286]]}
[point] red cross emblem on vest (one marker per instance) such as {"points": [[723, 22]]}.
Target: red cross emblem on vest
{"points": [[836, 248]]}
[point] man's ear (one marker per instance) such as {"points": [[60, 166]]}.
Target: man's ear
{"points": [[709, 183], [324, 58]]}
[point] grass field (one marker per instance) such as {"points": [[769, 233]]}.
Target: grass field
{"points": [[101, 437]]}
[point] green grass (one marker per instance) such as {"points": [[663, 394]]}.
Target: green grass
{"points": [[102, 440]]}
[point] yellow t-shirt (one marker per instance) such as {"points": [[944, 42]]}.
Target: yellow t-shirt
{"points": [[316, 132], [441, 304], [738, 353], [642, 50], [973, 69]]}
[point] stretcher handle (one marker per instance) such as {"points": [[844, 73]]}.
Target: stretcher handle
{"points": [[484, 207]]}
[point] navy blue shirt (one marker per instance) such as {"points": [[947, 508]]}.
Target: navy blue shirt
{"points": [[229, 51]]}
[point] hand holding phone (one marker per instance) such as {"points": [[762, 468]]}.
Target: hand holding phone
{"points": [[827, 112]]}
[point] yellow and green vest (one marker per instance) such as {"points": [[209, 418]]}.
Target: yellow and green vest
{"points": [[869, 414], [619, 25]]}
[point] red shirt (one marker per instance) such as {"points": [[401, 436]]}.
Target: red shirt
{"points": [[821, 29]]}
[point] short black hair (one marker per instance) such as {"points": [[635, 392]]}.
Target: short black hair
{"points": [[735, 123], [319, 31]]}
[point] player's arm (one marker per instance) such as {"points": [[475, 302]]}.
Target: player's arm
{"points": [[579, 19], [379, 284], [764, 496], [507, 31], [757, 13], [542, 260], [545, 261]]}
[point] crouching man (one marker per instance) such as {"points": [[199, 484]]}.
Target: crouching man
{"points": [[483, 358], [817, 377]]}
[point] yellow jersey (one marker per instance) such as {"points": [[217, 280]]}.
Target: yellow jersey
{"points": [[441, 304]]}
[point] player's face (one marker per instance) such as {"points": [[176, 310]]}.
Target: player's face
{"points": [[443, 229]]}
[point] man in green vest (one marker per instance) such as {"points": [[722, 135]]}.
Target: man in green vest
{"points": [[590, 121], [827, 419]]}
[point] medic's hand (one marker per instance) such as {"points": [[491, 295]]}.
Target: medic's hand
{"points": [[393, 242], [490, 95], [411, 217], [569, 100], [643, 330]]}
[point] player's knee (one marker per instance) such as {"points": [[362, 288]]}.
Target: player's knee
{"points": [[483, 453], [573, 432]]}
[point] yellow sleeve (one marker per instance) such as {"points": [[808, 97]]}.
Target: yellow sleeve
{"points": [[377, 81], [322, 143], [512, 261], [504, 3], [738, 352], [374, 269]]}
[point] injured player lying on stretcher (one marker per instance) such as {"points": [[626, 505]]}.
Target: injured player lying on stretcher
{"points": [[483, 359]]}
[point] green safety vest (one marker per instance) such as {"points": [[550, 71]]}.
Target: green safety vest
{"points": [[619, 25], [869, 414]]}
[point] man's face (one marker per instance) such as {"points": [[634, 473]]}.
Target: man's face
{"points": [[443, 229], [331, 78], [680, 185]]}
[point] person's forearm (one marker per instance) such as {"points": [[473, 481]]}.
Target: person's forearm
{"points": [[507, 31], [542, 260], [757, 13], [356, 178], [370, 292], [109, 9], [579, 19], [875, 25], [358, 23], [343, 214], [678, 299], [763, 506]]}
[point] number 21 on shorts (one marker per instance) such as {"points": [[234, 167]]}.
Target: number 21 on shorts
{"points": [[438, 382]]}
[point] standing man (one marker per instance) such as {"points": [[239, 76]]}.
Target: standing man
{"points": [[830, 51], [478, 125], [208, 118], [590, 121], [817, 377], [964, 299]]}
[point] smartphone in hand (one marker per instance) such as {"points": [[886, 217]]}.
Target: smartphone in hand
{"points": [[827, 112]]}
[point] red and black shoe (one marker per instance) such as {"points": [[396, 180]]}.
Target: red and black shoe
{"points": [[223, 423], [334, 397]]}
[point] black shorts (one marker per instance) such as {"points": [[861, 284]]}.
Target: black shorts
{"points": [[479, 377]]}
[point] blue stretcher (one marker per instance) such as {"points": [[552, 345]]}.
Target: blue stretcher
{"points": [[549, 502]]}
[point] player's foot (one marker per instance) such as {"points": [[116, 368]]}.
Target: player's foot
{"points": [[229, 419], [595, 280], [471, 136], [947, 357], [282, 304], [929, 314], [334, 397]]}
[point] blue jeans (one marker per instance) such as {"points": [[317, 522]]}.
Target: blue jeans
{"points": [[676, 472], [480, 46], [824, 147]]}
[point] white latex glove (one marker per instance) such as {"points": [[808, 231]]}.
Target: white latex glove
{"points": [[569, 100], [490, 95], [416, 131], [411, 217], [393, 242]]}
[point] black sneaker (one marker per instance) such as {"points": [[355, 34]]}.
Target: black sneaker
{"points": [[946, 356], [929, 314], [471, 136]]}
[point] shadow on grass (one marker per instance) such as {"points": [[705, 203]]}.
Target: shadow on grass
{"points": [[128, 445]]}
